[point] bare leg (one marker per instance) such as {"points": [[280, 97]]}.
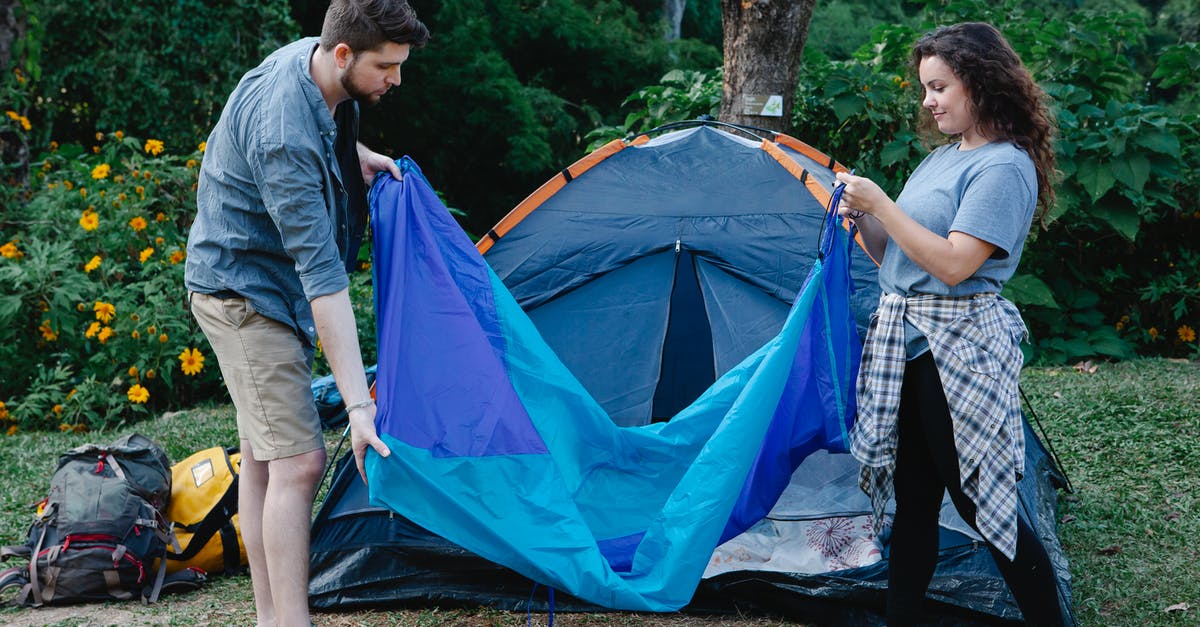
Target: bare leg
{"points": [[286, 518], [252, 491]]}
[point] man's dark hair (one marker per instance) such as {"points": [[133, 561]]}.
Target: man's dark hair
{"points": [[367, 24]]}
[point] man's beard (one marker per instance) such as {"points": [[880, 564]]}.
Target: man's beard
{"points": [[362, 96]]}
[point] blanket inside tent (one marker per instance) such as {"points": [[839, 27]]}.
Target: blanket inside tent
{"points": [[499, 449]]}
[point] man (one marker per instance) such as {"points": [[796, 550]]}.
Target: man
{"points": [[279, 200]]}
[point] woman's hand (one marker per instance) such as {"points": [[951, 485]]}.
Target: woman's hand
{"points": [[861, 196]]}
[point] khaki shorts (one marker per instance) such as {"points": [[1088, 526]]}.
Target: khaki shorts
{"points": [[267, 370]]}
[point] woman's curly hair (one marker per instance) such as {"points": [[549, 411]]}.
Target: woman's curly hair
{"points": [[1005, 99]]}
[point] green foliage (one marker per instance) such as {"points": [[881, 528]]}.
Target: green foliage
{"points": [[680, 95], [504, 93], [153, 69], [92, 313]]}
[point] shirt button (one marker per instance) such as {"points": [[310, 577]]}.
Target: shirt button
{"points": [[311, 330]]}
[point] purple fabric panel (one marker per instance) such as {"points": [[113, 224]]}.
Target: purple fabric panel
{"points": [[441, 383]]}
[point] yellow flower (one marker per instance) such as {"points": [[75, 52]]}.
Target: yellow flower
{"points": [[3, 411], [92, 330], [1153, 331], [12, 431], [145, 254], [69, 185], [158, 241], [104, 334], [92, 264], [79, 428], [177, 256], [141, 191], [192, 361], [99, 136], [138, 394], [89, 220], [1187, 334], [57, 409], [11, 251], [101, 171], [160, 217], [191, 163], [104, 311], [202, 146], [153, 146], [151, 329], [137, 223], [48, 332], [150, 373], [80, 307], [64, 427], [162, 338], [119, 134], [71, 393], [135, 335], [122, 197], [133, 371], [53, 148], [95, 150]]}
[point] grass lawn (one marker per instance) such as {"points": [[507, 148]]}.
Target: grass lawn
{"points": [[1128, 435]]}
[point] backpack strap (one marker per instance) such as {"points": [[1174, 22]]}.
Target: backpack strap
{"points": [[116, 467], [170, 540], [112, 579], [230, 548], [19, 550], [33, 559]]}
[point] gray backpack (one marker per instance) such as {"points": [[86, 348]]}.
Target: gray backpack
{"points": [[100, 534]]}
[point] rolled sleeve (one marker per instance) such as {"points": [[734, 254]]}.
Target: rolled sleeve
{"points": [[296, 202]]}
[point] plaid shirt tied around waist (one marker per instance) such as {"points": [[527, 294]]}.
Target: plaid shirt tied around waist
{"points": [[974, 341]]}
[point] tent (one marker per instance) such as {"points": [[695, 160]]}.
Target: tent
{"points": [[655, 269]]}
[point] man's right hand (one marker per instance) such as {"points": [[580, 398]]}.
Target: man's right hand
{"points": [[363, 435]]}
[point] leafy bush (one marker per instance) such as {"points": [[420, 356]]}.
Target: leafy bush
{"points": [[504, 93], [160, 68], [94, 330]]}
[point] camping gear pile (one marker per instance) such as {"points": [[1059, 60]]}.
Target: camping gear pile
{"points": [[120, 523]]}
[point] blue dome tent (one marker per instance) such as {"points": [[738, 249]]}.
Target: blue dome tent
{"points": [[673, 285]]}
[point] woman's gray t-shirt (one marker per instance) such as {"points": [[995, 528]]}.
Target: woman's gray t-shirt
{"points": [[989, 192]]}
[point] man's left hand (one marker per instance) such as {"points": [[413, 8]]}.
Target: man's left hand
{"points": [[373, 162]]}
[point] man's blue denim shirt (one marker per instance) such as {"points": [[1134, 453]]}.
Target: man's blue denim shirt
{"points": [[272, 223]]}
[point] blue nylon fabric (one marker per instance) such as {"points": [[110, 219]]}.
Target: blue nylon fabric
{"points": [[522, 467]]}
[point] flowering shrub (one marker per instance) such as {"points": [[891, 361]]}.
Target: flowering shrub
{"points": [[94, 328]]}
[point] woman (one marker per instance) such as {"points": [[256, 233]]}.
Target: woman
{"points": [[937, 390]]}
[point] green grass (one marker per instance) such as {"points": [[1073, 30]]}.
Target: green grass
{"points": [[1128, 435], [1129, 438]]}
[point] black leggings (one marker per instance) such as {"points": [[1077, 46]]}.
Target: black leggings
{"points": [[927, 463]]}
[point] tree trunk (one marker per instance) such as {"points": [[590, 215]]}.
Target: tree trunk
{"points": [[764, 40], [673, 14], [10, 29], [14, 145]]}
